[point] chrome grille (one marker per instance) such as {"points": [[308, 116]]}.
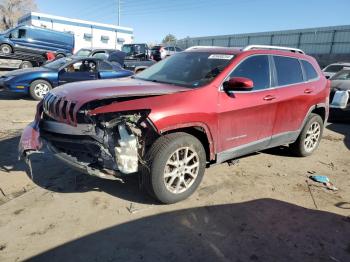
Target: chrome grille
{"points": [[59, 108]]}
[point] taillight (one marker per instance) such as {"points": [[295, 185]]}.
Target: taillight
{"points": [[161, 49]]}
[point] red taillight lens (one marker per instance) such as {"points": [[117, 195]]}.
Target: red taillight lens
{"points": [[161, 49]]}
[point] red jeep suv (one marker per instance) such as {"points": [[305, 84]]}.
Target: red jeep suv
{"points": [[202, 106]]}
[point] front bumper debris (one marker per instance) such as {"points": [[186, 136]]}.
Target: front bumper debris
{"points": [[82, 167], [30, 141], [340, 99]]}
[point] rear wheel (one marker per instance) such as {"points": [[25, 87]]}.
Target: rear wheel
{"points": [[6, 49], [58, 56], [310, 137], [39, 88], [175, 167], [26, 64]]}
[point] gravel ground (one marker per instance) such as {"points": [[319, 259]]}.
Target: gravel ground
{"points": [[260, 209]]}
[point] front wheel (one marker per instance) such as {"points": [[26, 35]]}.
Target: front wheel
{"points": [[175, 167], [39, 88], [6, 49], [310, 137]]}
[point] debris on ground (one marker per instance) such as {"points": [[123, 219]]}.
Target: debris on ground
{"points": [[21, 121], [325, 181], [312, 196], [330, 165], [233, 162], [132, 209], [2, 247]]}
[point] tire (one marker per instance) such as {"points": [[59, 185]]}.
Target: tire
{"points": [[5, 49], [39, 88], [309, 138], [160, 160], [26, 64], [58, 56]]}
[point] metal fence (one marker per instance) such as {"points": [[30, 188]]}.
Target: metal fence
{"points": [[323, 40]]}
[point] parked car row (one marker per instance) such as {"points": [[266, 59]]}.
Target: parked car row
{"points": [[37, 82], [168, 123], [159, 52]]}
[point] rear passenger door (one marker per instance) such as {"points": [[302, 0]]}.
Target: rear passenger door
{"points": [[294, 93], [246, 118]]}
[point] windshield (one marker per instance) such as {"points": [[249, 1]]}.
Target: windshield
{"points": [[128, 49], [333, 68], [6, 31], [83, 52], [57, 64], [190, 69]]}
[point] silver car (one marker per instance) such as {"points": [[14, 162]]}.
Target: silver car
{"points": [[340, 92], [332, 69]]}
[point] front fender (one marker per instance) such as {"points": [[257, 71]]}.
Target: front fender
{"points": [[195, 124]]}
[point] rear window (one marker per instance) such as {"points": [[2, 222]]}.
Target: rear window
{"points": [[288, 70], [156, 48], [310, 71], [104, 66]]}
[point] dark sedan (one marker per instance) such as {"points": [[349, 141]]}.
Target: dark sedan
{"points": [[38, 81]]}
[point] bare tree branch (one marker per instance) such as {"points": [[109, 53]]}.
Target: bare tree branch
{"points": [[12, 10]]}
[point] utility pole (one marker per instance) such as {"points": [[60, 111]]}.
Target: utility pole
{"points": [[118, 12]]}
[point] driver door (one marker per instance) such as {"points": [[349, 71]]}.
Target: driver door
{"points": [[79, 71], [246, 118]]}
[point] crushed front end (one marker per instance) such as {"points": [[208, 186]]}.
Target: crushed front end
{"points": [[104, 145]]}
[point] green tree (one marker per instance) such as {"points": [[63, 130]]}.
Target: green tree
{"points": [[12, 10], [169, 38]]}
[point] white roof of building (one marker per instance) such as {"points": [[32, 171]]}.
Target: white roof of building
{"points": [[54, 17]]}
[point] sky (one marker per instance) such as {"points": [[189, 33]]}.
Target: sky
{"points": [[153, 19]]}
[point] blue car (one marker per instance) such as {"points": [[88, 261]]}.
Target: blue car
{"points": [[30, 39], [38, 81]]}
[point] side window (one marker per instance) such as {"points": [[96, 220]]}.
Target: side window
{"points": [[288, 70], [178, 49], [21, 33], [255, 68], [104, 66], [310, 71], [100, 54]]}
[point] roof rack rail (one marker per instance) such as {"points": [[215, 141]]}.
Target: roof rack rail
{"points": [[290, 49], [200, 46]]}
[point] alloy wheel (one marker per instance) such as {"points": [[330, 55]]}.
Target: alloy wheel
{"points": [[5, 49], [312, 137], [41, 90], [181, 170]]}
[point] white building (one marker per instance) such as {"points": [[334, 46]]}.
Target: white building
{"points": [[86, 33]]}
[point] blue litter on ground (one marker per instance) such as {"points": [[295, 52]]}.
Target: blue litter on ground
{"points": [[320, 179]]}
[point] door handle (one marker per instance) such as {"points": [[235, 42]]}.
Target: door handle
{"points": [[269, 98], [308, 91]]}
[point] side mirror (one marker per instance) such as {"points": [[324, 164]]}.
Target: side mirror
{"points": [[238, 84]]}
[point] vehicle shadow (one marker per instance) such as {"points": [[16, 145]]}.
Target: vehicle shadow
{"points": [[6, 95], [343, 129], [51, 174], [259, 230]]}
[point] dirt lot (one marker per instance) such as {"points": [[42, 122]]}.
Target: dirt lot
{"points": [[260, 209]]}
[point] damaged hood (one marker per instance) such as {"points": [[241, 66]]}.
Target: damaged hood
{"points": [[83, 92]]}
